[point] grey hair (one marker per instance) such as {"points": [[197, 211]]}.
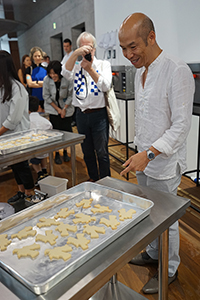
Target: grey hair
{"points": [[87, 36], [35, 49]]}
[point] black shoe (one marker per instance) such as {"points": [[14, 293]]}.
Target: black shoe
{"points": [[19, 197], [142, 259], [39, 178], [151, 287], [66, 158], [58, 159]]}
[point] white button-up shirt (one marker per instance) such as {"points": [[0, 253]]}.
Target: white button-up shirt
{"points": [[163, 112], [91, 94]]}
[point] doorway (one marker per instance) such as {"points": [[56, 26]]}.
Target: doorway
{"points": [[56, 43]]}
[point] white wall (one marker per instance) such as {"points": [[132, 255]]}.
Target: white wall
{"points": [[177, 30]]}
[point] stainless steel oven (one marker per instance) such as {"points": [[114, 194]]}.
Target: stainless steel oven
{"points": [[123, 81]]}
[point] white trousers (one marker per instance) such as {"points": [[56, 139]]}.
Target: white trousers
{"points": [[169, 186]]}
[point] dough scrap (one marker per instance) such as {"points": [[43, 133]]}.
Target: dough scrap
{"points": [[100, 209], [64, 213], [93, 230], [82, 218], [24, 233], [47, 222], [64, 228], [123, 214], [4, 242], [85, 203], [59, 252], [49, 237], [112, 222], [27, 251], [80, 241]]}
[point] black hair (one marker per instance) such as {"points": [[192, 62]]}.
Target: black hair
{"points": [[67, 41], [33, 103], [7, 74], [56, 66]]}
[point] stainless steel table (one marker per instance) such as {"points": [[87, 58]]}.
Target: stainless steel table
{"points": [[69, 139], [96, 273]]}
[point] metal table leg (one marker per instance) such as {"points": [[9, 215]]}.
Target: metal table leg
{"points": [[51, 167], [73, 164], [115, 290], [163, 266]]}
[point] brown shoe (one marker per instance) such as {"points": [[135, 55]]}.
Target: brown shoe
{"points": [[151, 287], [142, 259]]}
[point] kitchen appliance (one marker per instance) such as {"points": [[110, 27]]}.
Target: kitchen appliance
{"points": [[195, 68], [123, 81]]}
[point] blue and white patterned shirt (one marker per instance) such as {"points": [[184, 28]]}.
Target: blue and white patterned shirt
{"points": [[87, 93]]}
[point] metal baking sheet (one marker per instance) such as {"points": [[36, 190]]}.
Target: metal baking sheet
{"points": [[8, 142], [41, 274]]}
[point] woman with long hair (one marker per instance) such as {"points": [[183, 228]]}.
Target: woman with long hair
{"points": [[26, 62], [14, 117]]}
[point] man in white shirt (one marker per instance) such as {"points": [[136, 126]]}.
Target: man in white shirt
{"points": [[164, 89], [91, 78], [67, 45]]}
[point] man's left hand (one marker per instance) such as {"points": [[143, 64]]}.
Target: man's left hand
{"points": [[136, 162]]}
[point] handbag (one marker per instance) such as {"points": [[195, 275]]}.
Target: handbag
{"points": [[114, 116]]}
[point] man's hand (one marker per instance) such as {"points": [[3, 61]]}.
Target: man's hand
{"points": [[136, 162]]}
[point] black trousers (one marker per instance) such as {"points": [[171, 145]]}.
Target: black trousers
{"points": [[23, 175]]}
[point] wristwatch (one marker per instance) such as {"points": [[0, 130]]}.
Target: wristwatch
{"points": [[150, 154]]}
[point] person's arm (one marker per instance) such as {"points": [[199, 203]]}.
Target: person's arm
{"points": [[21, 78], [3, 130], [33, 84], [47, 95]]}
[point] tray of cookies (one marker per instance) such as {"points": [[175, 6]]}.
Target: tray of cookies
{"points": [[58, 235], [26, 139]]}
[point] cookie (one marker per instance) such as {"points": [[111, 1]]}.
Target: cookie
{"points": [[85, 203], [81, 218], [27, 251], [123, 214], [59, 252], [64, 228], [80, 241], [24, 233], [112, 222], [64, 213], [47, 222], [100, 209], [49, 237], [93, 230], [4, 242]]}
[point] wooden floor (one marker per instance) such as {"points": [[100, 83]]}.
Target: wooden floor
{"points": [[187, 286]]}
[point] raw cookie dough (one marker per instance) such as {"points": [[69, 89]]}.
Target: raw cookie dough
{"points": [[64, 213], [4, 242], [81, 218], [100, 209], [48, 238], [93, 230], [59, 252], [47, 222], [80, 241], [112, 222], [123, 214], [27, 251], [24, 233], [64, 228], [85, 203]]}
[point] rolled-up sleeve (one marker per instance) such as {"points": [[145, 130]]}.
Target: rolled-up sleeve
{"points": [[105, 78]]}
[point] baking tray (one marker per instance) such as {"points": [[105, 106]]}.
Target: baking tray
{"points": [[41, 274], [27, 137]]}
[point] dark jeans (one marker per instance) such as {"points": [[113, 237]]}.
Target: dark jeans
{"points": [[95, 127]]}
